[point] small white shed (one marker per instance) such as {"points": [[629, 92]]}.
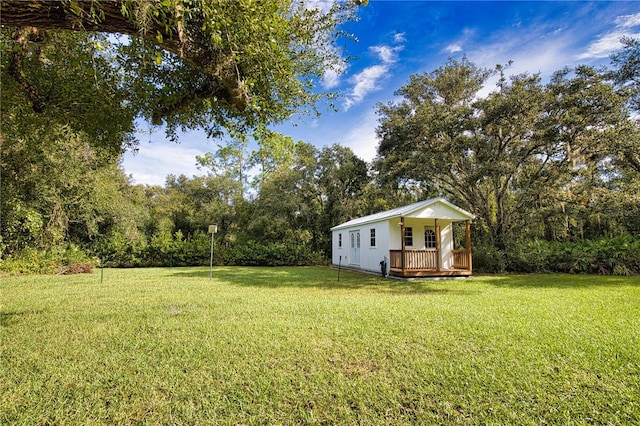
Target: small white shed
{"points": [[411, 241]]}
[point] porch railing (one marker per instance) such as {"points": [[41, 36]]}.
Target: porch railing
{"points": [[414, 259], [461, 259], [426, 259]]}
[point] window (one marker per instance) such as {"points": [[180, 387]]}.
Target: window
{"points": [[429, 238], [353, 240], [339, 240], [408, 236], [373, 237]]}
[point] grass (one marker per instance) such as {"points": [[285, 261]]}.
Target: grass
{"points": [[294, 345]]}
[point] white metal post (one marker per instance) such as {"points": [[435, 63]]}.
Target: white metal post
{"points": [[211, 260], [212, 230]]}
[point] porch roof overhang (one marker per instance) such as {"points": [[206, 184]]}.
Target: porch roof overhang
{"points": [[426, 209]]}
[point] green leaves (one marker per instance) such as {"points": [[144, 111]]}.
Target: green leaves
{"points": [[224, 65], [626, 72], [73, 76], [514, 156]]}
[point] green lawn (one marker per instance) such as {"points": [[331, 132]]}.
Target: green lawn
{"points": [[294, 345]]}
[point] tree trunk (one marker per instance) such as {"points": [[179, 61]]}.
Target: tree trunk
{"points": [[83, 16]]}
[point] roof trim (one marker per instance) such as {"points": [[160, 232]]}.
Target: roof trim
{"points": [[401, 211]]}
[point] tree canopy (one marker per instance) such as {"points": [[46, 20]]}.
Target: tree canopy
{"points": [[187, 63], [627, 69], [516, 156]]}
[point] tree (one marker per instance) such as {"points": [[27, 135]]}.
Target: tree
{"points": [[626, 71], [286, 206], [230, 165], [522, 152], [61, 192], [585, 128], [77, 88], [342, 177], [626, 75], [274, 151], [60, 178], [432, 136], [197, 63], [435, 111]]}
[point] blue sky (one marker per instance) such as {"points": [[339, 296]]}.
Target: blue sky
{"points": [[399, 38]]}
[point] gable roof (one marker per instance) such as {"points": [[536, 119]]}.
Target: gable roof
{"points": [[404, 211]]}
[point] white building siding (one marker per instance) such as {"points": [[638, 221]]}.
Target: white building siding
{"points": [[339, 251], [369, 256]]}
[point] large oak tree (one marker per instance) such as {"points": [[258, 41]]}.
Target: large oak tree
{"points": [[190, 63], [524, 158]]}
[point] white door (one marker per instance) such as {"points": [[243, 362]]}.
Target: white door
{"points": [[354, 244]]}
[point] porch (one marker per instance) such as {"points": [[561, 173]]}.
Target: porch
{"points": [[427, 262], [424, 263]]}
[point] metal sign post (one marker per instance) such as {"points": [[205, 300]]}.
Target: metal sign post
{"points": [[212, 230]]}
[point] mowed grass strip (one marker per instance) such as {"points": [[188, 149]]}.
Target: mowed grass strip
{"points": [[294, 345]]}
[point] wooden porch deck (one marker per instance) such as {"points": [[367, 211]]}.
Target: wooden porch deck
{"points": [[424, 263]]}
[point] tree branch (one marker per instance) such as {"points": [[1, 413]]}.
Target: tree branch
{"points": [[21, 37], [223, 71]]}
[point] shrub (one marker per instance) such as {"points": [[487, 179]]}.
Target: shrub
{"points": [[607, 256], [254, 253], [69, 259], [528, 256], [486, 258], [192, 251], [28, 261], [74, 261], [117, 250]]}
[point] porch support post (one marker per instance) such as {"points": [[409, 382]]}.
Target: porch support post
{"points": [[438, 248], [467, 230], [402, 246]]}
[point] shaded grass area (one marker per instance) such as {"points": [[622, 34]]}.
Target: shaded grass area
{"points": [[294, 345]]}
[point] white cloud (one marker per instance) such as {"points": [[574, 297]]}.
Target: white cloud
{"points": [[609, 42], [334, 66], [603, 46], [453, 48], [399, 38], [387, 54], [152, 163], [536, 55], [330, 79], [362, 138], [467, 36], [322, 5], [367, 80], [628, 21], [545, 48]]}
